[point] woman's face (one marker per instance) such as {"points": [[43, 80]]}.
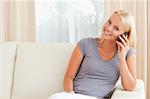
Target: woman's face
{"points": [[112, 28]]}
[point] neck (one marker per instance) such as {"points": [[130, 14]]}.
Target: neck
{"points": [[109, 46]]}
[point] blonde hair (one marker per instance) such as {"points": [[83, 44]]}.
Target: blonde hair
{"points": [[129, 26]]}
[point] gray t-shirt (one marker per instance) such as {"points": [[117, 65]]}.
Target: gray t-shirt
{"points": [[96, 77]]}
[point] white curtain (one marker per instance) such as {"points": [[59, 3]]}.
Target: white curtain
{"points": [[68, 21], [17, 20], [148, 53]]}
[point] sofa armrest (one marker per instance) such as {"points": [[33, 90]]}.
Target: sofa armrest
{"points": [[138, 93]]}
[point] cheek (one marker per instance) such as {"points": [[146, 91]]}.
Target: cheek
{"points": [[116, 34]]}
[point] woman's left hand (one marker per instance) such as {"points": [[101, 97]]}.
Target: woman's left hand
{"points": [[123, 47]]}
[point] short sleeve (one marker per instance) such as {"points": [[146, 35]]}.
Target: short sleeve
{"points": [[82, 45], [130, 52]]}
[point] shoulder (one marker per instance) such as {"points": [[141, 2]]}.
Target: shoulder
{"points": [[85, 44], [130, 52]]}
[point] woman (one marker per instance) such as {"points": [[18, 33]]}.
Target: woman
{"points": [[97, 63]]}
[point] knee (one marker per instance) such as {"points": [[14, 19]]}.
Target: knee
{"points": [[58, 95], [54, 96]]}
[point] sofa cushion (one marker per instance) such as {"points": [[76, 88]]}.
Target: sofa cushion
{"points": [[40, 69], [7, 57], [138, 93]]}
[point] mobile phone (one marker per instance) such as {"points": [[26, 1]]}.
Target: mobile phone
{"points": [[125, 33]]}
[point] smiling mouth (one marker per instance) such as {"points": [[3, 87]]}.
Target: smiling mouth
{"points": [[107, 34]]}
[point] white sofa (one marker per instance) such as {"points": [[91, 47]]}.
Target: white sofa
{"points": [[35, 71]]}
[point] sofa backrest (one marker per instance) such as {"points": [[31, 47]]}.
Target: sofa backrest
{"points": [[7, 58], [40, 69]]}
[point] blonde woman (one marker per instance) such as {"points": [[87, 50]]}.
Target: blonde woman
{"points": [[97, 63]]}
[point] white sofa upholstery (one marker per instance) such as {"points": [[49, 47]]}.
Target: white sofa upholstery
{"points": [[7, 56], [35, 71]]}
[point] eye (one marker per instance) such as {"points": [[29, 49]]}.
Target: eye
{"points": [[116, 28], [109, 21]]}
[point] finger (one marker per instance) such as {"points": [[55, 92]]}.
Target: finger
{"points": [[119, 48], [120, 44], [123, 41], [126, 39]]}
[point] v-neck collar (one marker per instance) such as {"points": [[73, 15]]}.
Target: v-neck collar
{"points": [[99, 56]]}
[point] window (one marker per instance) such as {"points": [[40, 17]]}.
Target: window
{"points": [[68, 21]]}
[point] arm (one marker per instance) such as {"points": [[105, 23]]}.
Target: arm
{"points": [[128, 72], [127, 67], [72, 69]]}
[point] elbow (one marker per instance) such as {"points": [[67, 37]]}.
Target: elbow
{"points": [[130, 87]]}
